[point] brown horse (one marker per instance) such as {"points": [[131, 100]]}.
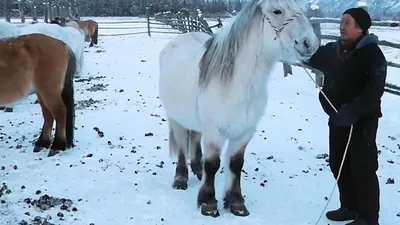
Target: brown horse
{"points": [[40, 64], [89, 27]]}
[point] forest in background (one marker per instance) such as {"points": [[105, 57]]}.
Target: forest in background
{"points": [[379, 9]]}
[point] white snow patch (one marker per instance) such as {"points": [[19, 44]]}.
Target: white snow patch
{"points": [[314, 7], [125, 177]]}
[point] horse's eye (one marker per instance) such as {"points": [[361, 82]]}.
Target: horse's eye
{"points": [[277, 12]]}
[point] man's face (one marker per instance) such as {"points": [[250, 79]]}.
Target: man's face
{"points": [[349, 30]]}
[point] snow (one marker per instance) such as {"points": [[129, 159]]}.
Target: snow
{"points": [[110, 179], [361, 4], [314, 7]]}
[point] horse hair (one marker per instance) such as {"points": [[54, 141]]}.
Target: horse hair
{"points": [[68, 97], [218, 60]]}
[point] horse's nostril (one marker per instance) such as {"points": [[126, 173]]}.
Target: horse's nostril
{"points": [[306, 44]]}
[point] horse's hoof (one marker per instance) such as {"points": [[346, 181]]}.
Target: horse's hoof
{"points": [[180, 184], [9, 109], [53, 152], [199, 175], [239, 210], [37, 149], [210, 210]]}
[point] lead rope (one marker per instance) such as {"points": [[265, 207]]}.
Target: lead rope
{"points": [[345, 150]]}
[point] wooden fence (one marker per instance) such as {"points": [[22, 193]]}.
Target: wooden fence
{"points": [[167, 23], [184, 21], [50, 9]]}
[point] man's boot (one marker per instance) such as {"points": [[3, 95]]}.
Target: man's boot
{"points": [[341, 214], [362, 222]]}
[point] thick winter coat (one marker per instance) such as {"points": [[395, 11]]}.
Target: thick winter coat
{"points": [[355, 76]]}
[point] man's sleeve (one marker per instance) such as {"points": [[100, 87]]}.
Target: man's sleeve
{"points": [[318, 60], [373, 91]]}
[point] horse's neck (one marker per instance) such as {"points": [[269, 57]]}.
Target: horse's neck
{"points": [[255, 60]]}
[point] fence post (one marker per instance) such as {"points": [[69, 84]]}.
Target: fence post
{"points": [[50, 10], [46, 12], [21, 10], [148, 20], [34, 15]]}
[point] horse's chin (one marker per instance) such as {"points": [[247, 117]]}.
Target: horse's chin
{"points": [[301, 57]]}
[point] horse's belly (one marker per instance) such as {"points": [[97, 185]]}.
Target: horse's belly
{"points": [[232, 113], [178, 84], [178, 97], [180, 105]]}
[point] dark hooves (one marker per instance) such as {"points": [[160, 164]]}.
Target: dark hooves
{"points": [[8, 109], [53, 152], [37, 149], [210, 210], [239, 210], [198, 174], [180, 183]]}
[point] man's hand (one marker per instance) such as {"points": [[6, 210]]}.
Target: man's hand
{"points": [[345, 117]]}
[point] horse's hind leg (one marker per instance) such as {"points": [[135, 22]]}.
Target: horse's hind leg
{"points": [[58, 110], [233, 196], [178, 144], [91, 42], [195, 154], [44, 138], [213, 142]]}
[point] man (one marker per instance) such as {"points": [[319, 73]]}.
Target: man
{"points": [[354, 78]]}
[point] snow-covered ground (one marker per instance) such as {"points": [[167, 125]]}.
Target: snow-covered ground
{"points": [[120, 174]]}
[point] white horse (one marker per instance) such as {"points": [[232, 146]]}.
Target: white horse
{"points": [[70, 36], [64, 22], [214, 89]]}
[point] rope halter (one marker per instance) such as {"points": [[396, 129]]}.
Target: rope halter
{"points": [[279, 30]]}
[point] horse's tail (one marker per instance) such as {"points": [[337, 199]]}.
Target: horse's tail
{"points": [[96, 34], [68, 97]]}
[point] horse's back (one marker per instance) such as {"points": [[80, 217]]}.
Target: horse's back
{"points": [[32, 60], [179, 76]]}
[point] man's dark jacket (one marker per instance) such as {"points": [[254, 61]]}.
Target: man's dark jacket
{"points": [[356, 77]]}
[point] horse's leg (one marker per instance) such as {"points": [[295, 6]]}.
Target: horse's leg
{"points": [[81, 61], [233, 196], [178, 144], [58, 110], [196, 154], [44, 139], [212, 144], [91, 41]]}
